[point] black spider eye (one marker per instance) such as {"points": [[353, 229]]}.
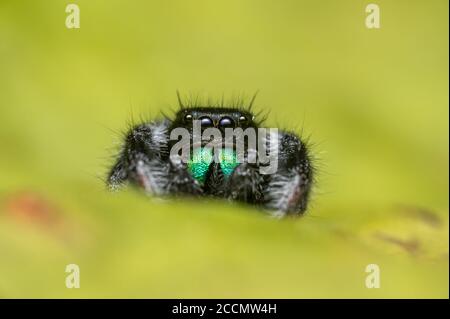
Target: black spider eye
{"points": [[206, 121], [243, 119], [226, 122], [188, 117]]}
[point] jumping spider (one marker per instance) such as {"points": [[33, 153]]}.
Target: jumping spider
{"points": [[145, 160]]}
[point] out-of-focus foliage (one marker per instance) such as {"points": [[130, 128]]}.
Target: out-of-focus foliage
{"points": [[375, 103]]}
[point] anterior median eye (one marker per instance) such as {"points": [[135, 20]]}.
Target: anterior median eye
{"points": [[226, 122], [206, 121]]}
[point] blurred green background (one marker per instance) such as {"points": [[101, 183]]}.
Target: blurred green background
{"points": [[375, 102]]}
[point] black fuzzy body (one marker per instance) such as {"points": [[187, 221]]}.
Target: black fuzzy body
{"points": [[144, 160]]}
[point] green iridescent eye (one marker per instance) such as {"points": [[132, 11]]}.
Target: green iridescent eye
{"points": [[199, 164]]}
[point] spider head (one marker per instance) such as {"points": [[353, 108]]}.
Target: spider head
{"points": [[214, 117]]}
